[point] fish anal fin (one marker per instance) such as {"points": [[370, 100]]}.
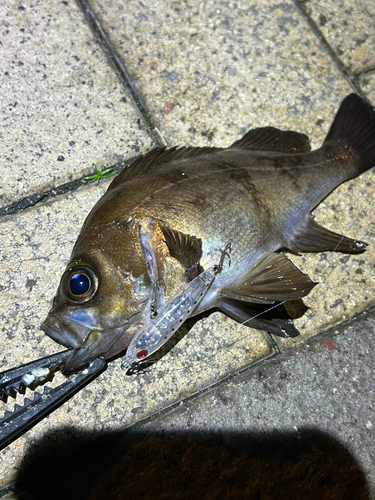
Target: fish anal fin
{"points": [[311, 237], [271, 278], [187, 249], [273, 139], [253, 318]]}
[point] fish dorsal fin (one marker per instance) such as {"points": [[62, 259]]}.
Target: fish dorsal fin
{"points": [[271, 278], [157, 157], [311, 237], [139, 166], [185, 248], [273, 139]]}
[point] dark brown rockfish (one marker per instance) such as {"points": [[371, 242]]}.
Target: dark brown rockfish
{"points": [[162, 219]]}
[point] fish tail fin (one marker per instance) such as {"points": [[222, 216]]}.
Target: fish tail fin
{"points": [[354, 129]]}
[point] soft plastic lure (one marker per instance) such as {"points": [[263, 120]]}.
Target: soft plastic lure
{"points": [[159, 328]]}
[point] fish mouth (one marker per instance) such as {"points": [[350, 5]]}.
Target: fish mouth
{"points": [[62, 334], [87, 335], [99, 343], [95, 347]]}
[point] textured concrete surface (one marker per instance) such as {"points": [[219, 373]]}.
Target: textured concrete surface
{"points": [[211, 71], [348, 28], [299, 426], [30, 275], [62, 107], [207, 73], [367, 81], [324, 385]]}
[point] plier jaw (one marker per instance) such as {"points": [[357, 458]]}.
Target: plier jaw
{"points": [[32, 375]]}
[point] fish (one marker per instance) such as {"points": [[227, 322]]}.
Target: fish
{"points": [[160, 221]]}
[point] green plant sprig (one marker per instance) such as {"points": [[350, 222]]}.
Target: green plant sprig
{"points": [[99, 174]]}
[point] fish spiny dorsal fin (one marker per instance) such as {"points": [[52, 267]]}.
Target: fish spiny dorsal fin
{"points": [[158, 157], [271, 278], [273, 139], [185, 248], [140, 165]]}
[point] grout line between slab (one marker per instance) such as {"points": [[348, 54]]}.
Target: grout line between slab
{"points": [[7, 490], [275, 354], [220, 382], [349, 77], [121, 71], [42, 197], [366, 71]]}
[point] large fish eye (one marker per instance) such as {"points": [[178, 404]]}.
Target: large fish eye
{"points": [[80, 283]]}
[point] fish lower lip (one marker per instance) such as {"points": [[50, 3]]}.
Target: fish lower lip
{"points": [[76, 361], [60, 334], [94, 347]]}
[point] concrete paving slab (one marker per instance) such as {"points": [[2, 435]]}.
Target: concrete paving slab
{"points": [[213, 349], [323, 386], [300, 426], [367, 82], [62, 106], [295, 86], [210, 71], [348, 28]]}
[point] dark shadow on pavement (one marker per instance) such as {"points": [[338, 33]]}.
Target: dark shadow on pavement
{"points": [[308, 464]]}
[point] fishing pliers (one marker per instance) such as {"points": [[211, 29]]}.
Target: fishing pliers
{"points": [[30, 376]]}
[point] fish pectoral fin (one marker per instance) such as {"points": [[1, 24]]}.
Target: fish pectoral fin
{"points": [[271, 278], [187, 249], [311, 237], [273, 139], [240, 312]]}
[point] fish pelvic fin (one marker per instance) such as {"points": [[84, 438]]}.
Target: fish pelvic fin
{"points": [[271, 278], [354, 129], [311, 237], [273, 139]]}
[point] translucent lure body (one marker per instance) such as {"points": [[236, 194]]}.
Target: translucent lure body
{"points": [[159, 329]]}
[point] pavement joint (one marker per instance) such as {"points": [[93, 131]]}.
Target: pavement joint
{"points": [[121, 71], [44, 196], [348, 75]]}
